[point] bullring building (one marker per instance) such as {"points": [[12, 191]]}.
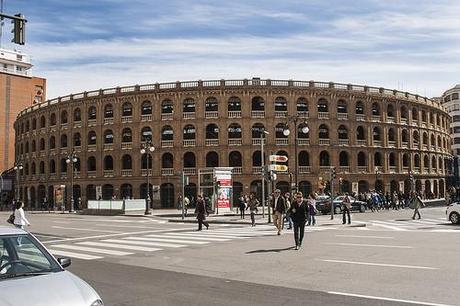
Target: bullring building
{"points": [[375, 137]]}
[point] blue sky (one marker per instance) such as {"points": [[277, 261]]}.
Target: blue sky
{"points": [[84, 45]]}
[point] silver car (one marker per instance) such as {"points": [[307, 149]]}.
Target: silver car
{"points": [[30, 275]]}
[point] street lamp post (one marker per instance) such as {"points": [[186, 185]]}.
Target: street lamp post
{"points": [[18, 167], [286, 132], [262, 140], [147, 148], [71, 160]]}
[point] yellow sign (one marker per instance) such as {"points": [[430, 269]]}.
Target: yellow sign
{"points": [[281, 168]]}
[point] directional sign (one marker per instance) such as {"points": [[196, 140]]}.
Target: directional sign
{"points": [[280, 168], [278, 158]]}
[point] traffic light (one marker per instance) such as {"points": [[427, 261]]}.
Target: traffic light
{"points": [[333, 173], [19, 29]]}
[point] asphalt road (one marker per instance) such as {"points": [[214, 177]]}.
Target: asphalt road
{"points": [[384, 258]]}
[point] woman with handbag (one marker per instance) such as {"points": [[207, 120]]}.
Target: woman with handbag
{"points": [[20, 218]]}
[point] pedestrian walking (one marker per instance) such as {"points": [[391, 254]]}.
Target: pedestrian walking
{"points": [[186, 205], [201, 213], [279, 208], [252, 205], [416, 203], [346, 206], [312, 211], [299, 215], [242, 206], [20, 218], [287, 217]]}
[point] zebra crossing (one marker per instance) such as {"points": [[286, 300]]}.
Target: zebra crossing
{"points": [[404, 225], [153, 242]]}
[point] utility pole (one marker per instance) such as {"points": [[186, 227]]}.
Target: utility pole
{"points": [[332, 177]]}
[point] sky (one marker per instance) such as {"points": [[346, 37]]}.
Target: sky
{"points": [[410, 45]]}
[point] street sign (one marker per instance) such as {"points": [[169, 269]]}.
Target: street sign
{"points": [[280, 168], [278, 158]]}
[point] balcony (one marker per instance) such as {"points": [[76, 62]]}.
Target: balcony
{"points": [[234, 142], [257, 142], [303, 142], [126, 119], [391, 143], [234, 114], [282, 141], [167, 171], [405, 169], [146, 117], [377, 143], [77, 174], [144, 172], [189, 171], [64, 126], [362, 169], [126, 145], [63, 176], [417, 170], [324, 142], [91, 122], [256, 170], [403, 121], [344, 142], [392, 169], [304, 169], [126, 172], [404, 145], [376, 118], [211, 115], [258, 114], [108, 173], [91, 147], [424, 125], [52, 151], [91, 174], [280, 114], [190, 115], [344, 169], [108, 146], [325, 169], [323, 115], [391, 120], [167, 143], [108, 121], [237, 170], [52, 176], [77, 148], [167, 116], [211, 142], [361, 142], [414, 122], [360, 117], [342, 116], [189, 143], [63, 150], [77, 125]]}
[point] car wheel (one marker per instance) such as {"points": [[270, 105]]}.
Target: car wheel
{"points": [[454, 218], [337, 210], [362, 208]]}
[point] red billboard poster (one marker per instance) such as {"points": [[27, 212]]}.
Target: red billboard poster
{"points": [[223, 178]]}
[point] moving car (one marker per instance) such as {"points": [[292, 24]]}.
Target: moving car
{"points": [[323, 204], [30, 275], [453, 213], [355, 204]]}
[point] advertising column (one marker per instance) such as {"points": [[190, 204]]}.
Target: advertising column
{"points": [[223, 180]]}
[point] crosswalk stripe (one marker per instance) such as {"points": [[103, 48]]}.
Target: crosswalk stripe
{"points": [[196, 238], [389, 226], [425, 222], [229, 236], [93, 250], [73, 255], [161, 238], [135, 241], [435, 220], [119, 246], [391, 223]]}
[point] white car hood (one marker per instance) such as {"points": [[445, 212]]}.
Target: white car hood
{"points": [[60, 288]]}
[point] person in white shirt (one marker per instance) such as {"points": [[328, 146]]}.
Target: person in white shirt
{"points": [[20, 218]]}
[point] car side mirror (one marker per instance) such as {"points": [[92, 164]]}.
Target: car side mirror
{"points": [[64, 261]]}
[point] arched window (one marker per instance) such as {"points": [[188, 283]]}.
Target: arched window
{"points": [[390, 111], [279, 129], [167, 161], [27, 125], [33, 168], [53, 119], [324, 159], [360, 134], [126, 191], [424, 117], [63, 141], [280, 104], [92, 138], [257, 159], [416, 160], [426, 162], [27, 147], [376, 134], [415, 114], [211, 105], [323, 132], [167, 107], [343, 159], [77, 115], [405, 160], [146, 108], [234, 131], [342, 107], [302, 105], [234, 104], [126, 162], [391, 135], [126, 135], [64, 117], [362, 159], [257, 130], [189, 132], [189, 160], [212, 131], [392, 160], [375, 109], [212, 159], [323, 106], [433, 141], [63, 165], [188, 106], [301, 129], [108, 136], [342, 132], [433, 164], [92, 113], [41, 167], [52, 143], [42, 122], [359, 108], [416, 138], [146, 134], [108, 111], [235, 159], [378, 159], [34, 123], [127, 109], [52, 166], [304, 158], [91, 163], [108, 163], [34, 146], [403, 112], [167, 133], [258, 104], [42, 144], [107, 192], [404, 136], [146, 158]]}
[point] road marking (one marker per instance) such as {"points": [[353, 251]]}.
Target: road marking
{"points": [[371, 245], [93, 250], [129, 240], [164, 239], [388, 226], [229, 236], [84, 229], [119, 246], [386, 299], [195, 238], [73, 255], [355, 236], [378, 264]]}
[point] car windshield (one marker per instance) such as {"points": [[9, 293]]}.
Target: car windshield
{"points": [[21, 255]]}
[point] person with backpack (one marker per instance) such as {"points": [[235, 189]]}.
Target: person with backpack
{"points": [[279, 208], [346, 206]]}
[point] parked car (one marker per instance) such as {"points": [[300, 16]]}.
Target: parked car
{"points": [[453, 213], [356, 205], [323, 204], [29, 274]]}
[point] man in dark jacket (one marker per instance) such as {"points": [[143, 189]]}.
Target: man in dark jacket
{"points": [[299, 215], [279, 208], [201, 213]]}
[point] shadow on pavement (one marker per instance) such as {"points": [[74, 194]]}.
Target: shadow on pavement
{"points": [[270, 250]]}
